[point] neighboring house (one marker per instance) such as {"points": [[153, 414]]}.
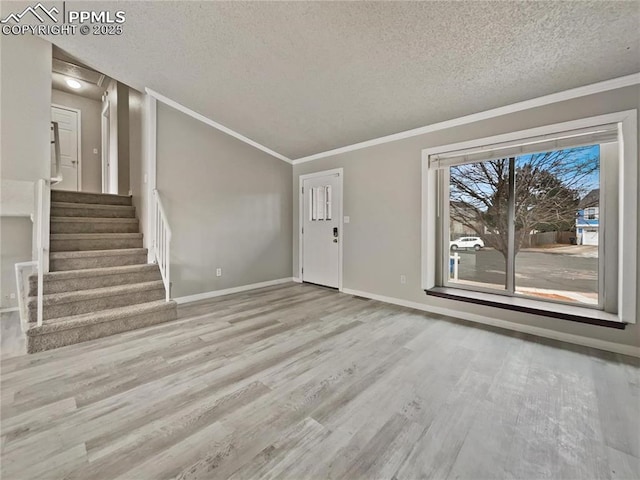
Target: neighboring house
{"points": [[588, 219]]}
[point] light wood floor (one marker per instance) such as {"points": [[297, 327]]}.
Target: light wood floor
{"points": [[302, 382]]}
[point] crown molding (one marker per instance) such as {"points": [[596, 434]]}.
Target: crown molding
{"points": [[599, 87], [216, 125]]}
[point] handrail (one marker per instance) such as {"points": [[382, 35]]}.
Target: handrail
{"points": [[22, 306], [162, 242], [57, 178], [41, 217], [43, 204]]}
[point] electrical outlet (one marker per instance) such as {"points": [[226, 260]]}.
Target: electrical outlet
{"points": [[12, 296], [403, 279], [218, 272], [95, 151]]}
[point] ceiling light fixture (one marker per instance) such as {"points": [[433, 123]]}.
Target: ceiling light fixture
{"points": [[74, 83]]}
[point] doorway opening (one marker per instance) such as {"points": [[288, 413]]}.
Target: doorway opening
{"points": [[90, 148]]}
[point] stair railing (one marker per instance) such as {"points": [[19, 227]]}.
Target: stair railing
{"points": [[40, 218], [23, 291], [43, 212], [162, 242], [42, 205]]}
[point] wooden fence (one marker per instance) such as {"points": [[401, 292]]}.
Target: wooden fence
{"points": [[545, 238]]}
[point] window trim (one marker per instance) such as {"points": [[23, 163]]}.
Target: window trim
{"points": [[607, 298], [627, 199]]}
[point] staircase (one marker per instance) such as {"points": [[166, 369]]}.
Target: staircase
{"points": [[99, 282]]}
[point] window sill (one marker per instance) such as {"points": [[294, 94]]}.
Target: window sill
{"points": [[524, 305]]}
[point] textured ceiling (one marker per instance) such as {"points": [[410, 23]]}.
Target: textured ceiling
{"points": [[305, 77]]}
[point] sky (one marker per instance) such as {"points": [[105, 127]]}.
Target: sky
{"points": [[582, 153]]}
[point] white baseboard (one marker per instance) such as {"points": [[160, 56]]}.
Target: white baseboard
{"points": [[540, 332], [297, 279], [229, 291], [9, 309]]}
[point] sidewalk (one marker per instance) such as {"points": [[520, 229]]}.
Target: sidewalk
{"points": [[561, 249]]}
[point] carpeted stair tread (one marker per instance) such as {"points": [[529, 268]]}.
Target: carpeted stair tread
{"points": [[97, 253], [69, 209], [78, 321], [92, 236], [92, 206], [91, 278], [81, 295], [65, 242], [95, 272], [86, 197], [94, 219], [65, 304], [80, 260], [93, 225]]}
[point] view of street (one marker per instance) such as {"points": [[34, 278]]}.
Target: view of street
{"points": [[560, 270]]}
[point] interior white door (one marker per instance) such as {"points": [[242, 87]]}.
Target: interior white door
{"points": [[69, 132], [321, 234]]}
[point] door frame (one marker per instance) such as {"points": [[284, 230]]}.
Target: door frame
{"points": [[79, 130], [301, 179], [104, 140]]}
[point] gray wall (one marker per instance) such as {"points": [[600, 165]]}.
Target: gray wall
{"points": [[229, 205], [25, 152], [25, 107], [91, 136], [15, 246], [117, 94], [112, 99], [123, 139], [137, 156], [382, 195]]}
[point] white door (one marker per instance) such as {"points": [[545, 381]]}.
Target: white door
{"points": [[321, 233], [69, 133]]}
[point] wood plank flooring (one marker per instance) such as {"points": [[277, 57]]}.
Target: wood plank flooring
{"points": [[301, 382]]}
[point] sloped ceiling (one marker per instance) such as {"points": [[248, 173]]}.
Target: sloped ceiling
{"points": [[89, 88], [306, 77]]}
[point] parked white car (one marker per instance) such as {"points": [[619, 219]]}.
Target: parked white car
{"points": [[467, 242]]}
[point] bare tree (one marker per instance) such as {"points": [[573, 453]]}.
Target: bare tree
{"points": [[548, 187]]}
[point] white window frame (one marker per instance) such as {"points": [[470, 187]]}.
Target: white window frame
{"points": [[627, 202]]}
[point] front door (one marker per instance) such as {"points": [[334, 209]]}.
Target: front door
{"points": [[68, 131], [321, 234]]}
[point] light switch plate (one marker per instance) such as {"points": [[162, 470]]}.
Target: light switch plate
{"points": [[347, 219]]}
